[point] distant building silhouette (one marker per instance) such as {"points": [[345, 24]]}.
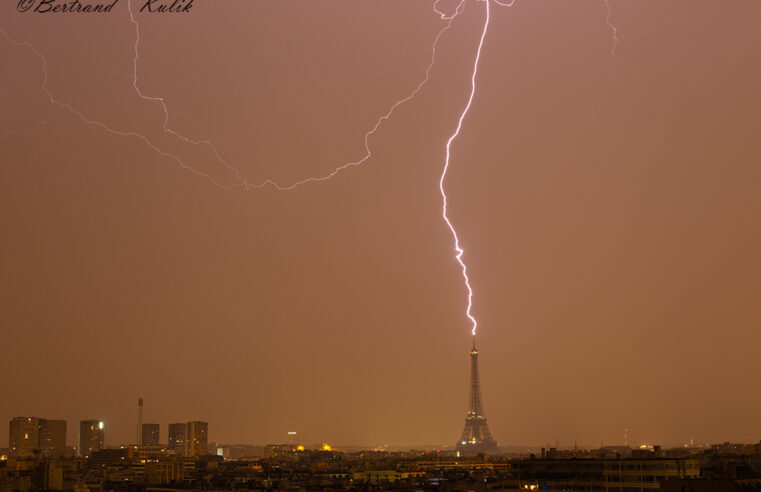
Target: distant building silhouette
{"points": [[197, 439], [52, 438], [189, 439], [177, 438], [92, 435], [150, 435], [475, 437], [30, 436], [24, 437]]}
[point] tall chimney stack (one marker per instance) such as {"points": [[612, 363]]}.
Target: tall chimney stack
{"points": [[140, 422]]}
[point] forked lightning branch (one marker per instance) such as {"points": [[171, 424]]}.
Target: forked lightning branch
{"points": [[235, 179]]}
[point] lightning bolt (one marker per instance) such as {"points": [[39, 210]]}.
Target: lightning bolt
{"points": [[613, 29], [613, 67], [242, 183], [459, 251]]}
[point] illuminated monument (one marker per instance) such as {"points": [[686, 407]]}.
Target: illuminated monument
{"points": [[476, 437]]}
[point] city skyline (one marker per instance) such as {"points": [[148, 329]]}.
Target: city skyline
{"points": [[38, 435], [603, 184]]}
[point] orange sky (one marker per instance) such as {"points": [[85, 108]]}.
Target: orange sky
{"points": [[608, 207]]}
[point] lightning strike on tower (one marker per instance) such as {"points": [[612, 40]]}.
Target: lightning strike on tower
{"points": [[476, 437]]}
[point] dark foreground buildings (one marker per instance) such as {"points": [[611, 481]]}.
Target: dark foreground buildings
{"points": [[722, 468]]}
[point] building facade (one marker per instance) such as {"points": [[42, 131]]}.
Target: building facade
{"points": [[197, 438], [29, 437], [52, 438], [92, 435], [189, 439], [177, 438], [150, 435], [24, 437]]}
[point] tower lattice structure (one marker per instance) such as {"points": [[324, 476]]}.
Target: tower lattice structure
{"points": [[476, 437]]}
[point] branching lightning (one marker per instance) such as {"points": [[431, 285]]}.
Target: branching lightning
{"points": [[385, 116], [443, 15], [56, 102], [242, 183]]}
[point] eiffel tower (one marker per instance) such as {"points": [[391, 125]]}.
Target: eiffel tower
{"points": [[476, 437]]}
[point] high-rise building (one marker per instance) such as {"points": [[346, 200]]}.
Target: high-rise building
{"points": [[476, 437], [197, 439], [177, 438], [31, 436], [189, 439], [92, 435], [24, 437], [52, 438], [150, 435]]}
